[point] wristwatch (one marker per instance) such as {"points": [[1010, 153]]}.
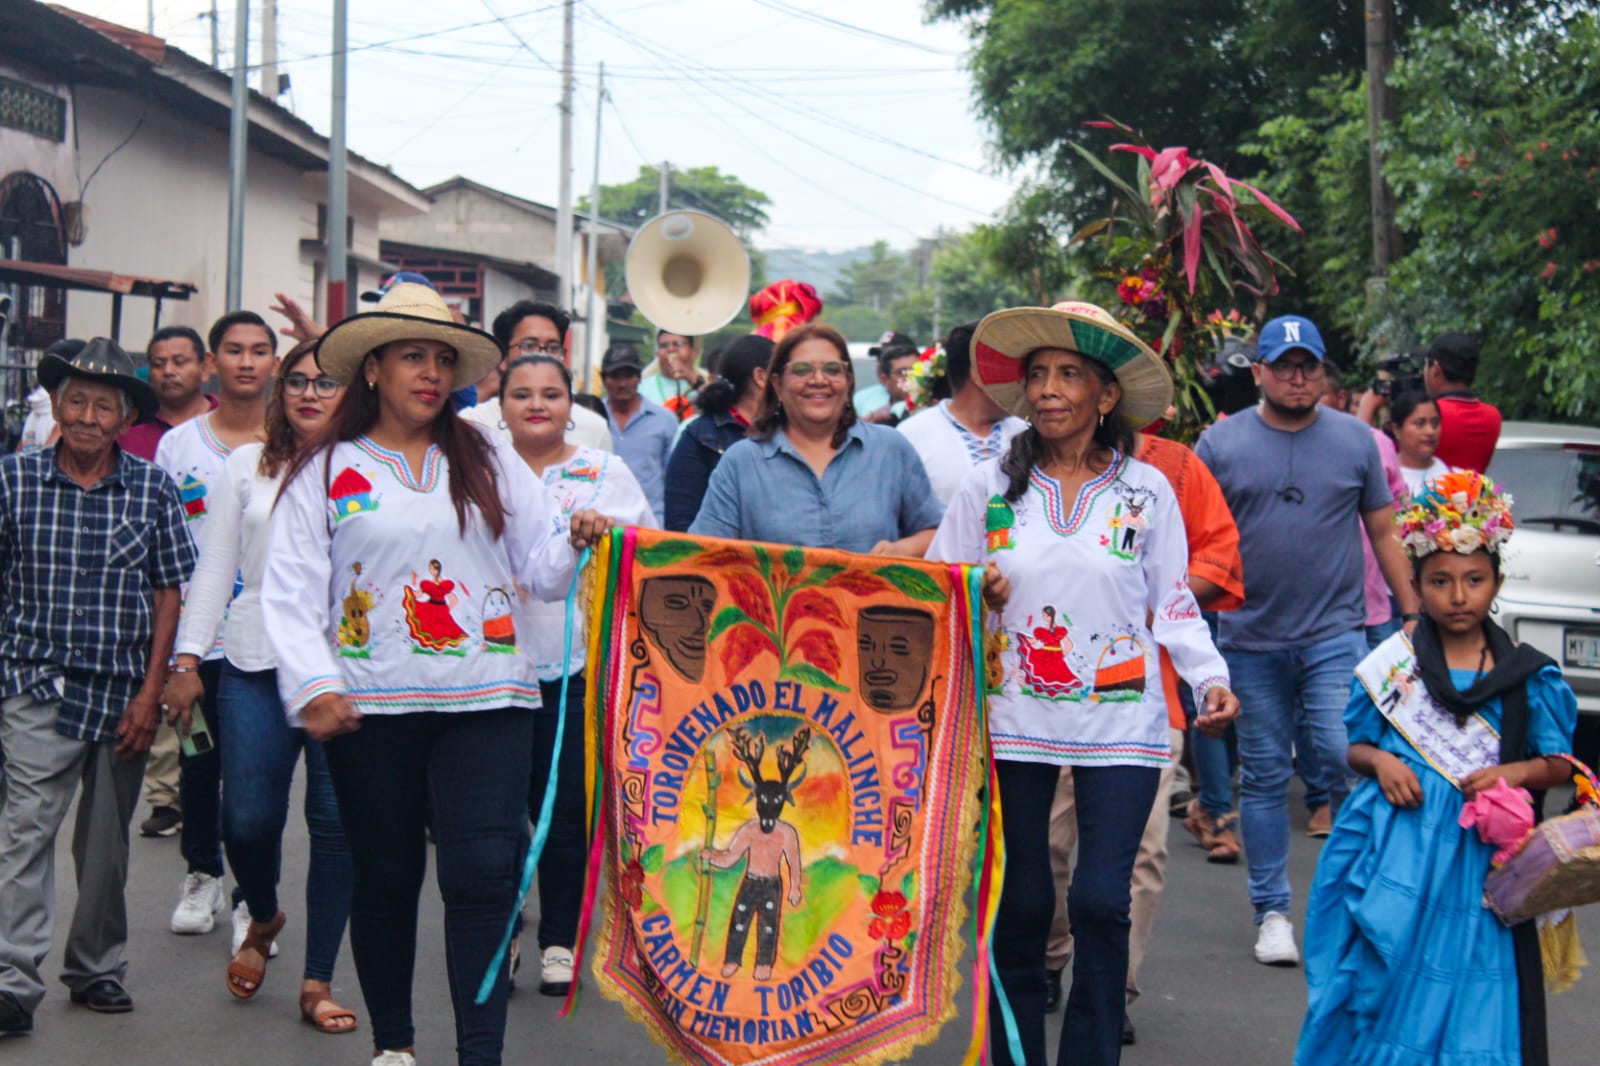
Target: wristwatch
{"points": [[1410, 616]]}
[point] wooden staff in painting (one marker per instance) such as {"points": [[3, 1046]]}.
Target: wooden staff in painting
{"points": [[702, 910]]}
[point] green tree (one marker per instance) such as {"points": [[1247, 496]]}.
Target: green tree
{"points": [[705, 189], [859, 324], [877, 280], [966, 281]]}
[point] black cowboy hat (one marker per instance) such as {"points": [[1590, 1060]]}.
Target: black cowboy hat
{"points": [[102, 360]]}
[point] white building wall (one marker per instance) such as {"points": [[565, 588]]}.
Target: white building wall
{"points": [[500, 291], [50, 160]]}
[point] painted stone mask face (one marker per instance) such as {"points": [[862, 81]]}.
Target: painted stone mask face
{"points": [[896, 646], [675, 613]]}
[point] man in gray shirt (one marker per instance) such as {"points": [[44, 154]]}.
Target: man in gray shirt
{"points": [[1296, 475]]}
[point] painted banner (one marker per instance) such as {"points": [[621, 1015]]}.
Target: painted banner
{"points": [[788, 796]]}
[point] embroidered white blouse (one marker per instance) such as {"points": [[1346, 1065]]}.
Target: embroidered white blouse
{"points": [[193, 455], [371, 589], [948, 449], [224, 601], [590, 480], [1079, 679]]}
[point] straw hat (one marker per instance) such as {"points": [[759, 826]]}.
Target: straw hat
{"points": [[407, 312], [1004, 340]]}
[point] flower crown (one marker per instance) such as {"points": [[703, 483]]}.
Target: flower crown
{"points": [[930, 367], [1461, 511]]}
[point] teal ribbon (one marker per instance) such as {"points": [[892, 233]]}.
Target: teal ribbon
{"points": [[980, 683], [547, 806]]}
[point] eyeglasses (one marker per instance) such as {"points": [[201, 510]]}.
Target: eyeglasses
{"points": [[1286, 371], [831, 369], [530, 346], [295, 385], [671, 346]]}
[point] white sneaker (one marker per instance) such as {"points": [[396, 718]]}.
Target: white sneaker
{"points": [[555, 971], [1275, 941], [241, 929], [394, 1058], [199, 902]]}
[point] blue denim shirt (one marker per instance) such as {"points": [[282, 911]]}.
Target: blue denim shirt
{"points": [[874, 489], [645, 445]]}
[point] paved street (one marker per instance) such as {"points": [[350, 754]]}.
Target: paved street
{"points": [[1206, 1001]]}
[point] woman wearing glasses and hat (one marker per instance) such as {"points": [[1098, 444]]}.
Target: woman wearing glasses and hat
{"points": [[415, 684], [1087, 572]]}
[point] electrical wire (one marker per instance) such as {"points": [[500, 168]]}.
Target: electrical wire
{"points": [[860, 31]]}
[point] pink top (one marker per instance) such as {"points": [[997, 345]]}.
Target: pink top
{"points": [[1375, 587]]}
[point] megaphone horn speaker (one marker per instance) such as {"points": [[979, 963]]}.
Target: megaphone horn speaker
{"points": [[688, 272]]}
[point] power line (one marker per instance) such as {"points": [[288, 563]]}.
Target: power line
{"points": [[518, 37], [861, 31]]}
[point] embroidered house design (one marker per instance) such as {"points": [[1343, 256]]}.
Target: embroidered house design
{"points": [[192, 493], [1120, 669], [499, 627], [998, 521], [351, 493]]}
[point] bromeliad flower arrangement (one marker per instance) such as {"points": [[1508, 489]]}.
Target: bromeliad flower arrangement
{"points": [[1177, 244]]}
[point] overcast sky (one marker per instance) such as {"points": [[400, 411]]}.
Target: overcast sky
{"points": [[853, 115]]}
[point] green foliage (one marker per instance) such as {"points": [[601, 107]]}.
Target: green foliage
{"points": [[876, 281], [858, 324], [970, 281]]}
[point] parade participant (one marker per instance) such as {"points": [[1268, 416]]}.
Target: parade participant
{"points": [[537, 406], [86, 628], [885, 402], [243, 351], [1469, 427], [1301, 479], [642, 429], [529, 328], [416, 710], [813, 475], [1216, 577], [259, 749], [728, 406], [1409, 966], [674, 379], [179, 368], [1414, 428], [957, 433], [1082, 544]]}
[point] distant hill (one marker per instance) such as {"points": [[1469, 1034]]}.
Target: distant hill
{"points": [[821, 269]]}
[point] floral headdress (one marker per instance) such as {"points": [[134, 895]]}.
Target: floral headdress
{"points": [[931, 367], [1461, 511]]}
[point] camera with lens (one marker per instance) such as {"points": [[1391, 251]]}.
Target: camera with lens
{"points": [[1399, 373]]}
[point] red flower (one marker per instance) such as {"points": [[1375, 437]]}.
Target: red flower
{"points": [[877, 928], [886, 904], [631, 884], [817, 647], [900, 926], [751, 596], [1547, 239], [813, 603], [1463, 162], [740, 646], [1543, 145], [1548, 272]]}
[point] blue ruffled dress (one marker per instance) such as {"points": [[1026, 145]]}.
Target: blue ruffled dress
{"points": [[1404, 964]]}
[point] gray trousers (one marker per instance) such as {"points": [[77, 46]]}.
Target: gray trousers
{"points": [[42, 770]]}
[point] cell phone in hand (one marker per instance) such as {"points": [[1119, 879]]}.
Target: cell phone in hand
{"points": [[198, 741]]}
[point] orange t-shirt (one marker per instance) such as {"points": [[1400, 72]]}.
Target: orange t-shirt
{"points": [[1213, 539]]}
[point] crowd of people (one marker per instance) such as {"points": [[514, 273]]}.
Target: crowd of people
{"points": [[419, 492]]}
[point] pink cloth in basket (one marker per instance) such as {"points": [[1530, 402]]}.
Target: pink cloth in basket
{"points": [[1503, 816]]}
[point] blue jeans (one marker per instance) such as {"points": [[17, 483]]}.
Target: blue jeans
{"points": [[258, 760], [200, 786], [1278, 690], [1215, 760], [1113, 805], [471, 767]]}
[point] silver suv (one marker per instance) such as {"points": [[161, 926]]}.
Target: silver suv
{"points": [[1551, 597]]}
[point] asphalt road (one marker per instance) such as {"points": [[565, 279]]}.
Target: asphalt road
{"points": [[1206, 1002]]}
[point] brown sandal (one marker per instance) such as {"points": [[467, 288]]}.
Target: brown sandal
{"points": [[259, 939], [322, 1020], [1223, 845]]}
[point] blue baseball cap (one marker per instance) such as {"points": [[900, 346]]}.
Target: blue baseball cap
{"points": [[1287, 333], [372, 296]]}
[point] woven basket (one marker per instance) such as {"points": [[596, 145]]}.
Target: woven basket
{"points": [[1557, 866]]}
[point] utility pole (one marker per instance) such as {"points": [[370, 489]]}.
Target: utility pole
{"points": [[666, 184], [1381, 112], [338, 187], [564, 203], [150, 17], [238, 143], [216, 49], [269, 49], [595, 314]]}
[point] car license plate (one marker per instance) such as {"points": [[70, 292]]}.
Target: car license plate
{"points": [[1582, 648]]}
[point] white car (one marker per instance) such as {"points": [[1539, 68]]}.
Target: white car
{"points": [[1551, 596]]}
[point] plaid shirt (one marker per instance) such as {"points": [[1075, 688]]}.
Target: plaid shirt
{"points": [[77, 572]]}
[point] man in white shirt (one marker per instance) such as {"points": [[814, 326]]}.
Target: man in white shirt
{"points": [[529, 328], [962, 431], [243, 351]]}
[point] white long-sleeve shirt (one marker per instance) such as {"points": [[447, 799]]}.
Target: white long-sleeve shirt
{"points": [[224, 600], [372, 590], [193, 456]]}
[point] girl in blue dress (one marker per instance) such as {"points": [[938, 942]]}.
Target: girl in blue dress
{"points": [[1405, 966]]}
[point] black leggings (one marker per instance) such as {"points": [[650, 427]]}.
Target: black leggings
{"points": [[472, 769]]}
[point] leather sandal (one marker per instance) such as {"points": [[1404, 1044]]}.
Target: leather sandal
{"points": [[1223, 844], [244, 980], [311, 1012]]}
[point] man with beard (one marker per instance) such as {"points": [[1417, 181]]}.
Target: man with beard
{"points": [[179, 367], [1301, 480]]}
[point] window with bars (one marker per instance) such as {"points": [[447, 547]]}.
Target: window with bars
{"points": [[31, 110]]}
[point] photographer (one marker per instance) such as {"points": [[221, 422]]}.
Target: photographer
{"points": [[1397, 373], [1469, 428]]}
